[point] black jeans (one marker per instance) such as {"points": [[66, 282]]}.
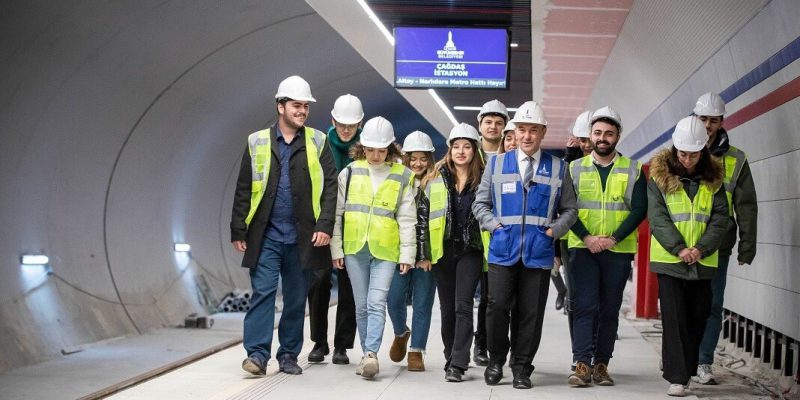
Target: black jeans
{"points": [[480, 328], [456, 280], [319, 296], [685, 306], [526, 290]]}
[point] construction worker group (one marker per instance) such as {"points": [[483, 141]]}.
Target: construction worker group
{"points": [[392, 227]]}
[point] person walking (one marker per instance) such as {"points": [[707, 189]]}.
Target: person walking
{"points": [[419, 281], [688, 215], [612, 202], [282, 220], [743, 210], [526, 200], [374, 231]]}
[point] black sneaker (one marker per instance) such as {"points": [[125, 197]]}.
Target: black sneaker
{"points": [[454, 374], [318, 353], [254, 366], [340, 357], [288, 364]]}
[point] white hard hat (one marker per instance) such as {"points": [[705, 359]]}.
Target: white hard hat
{"points": [[378, 133], [347, 110], [607, 112], [493, 107], [509, 127], [295, 88], [463, 131], [690, 134], [417, 141], [529, 113], [582, 126], [710, 105]]}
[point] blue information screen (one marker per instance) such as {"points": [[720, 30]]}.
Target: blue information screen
{"points": [[450, 58]]}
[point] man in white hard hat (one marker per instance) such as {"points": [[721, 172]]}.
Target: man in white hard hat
{"points": [[492, 118], [345, 131], [282, 220], [743, 205], [526, 199], [612, 202]]}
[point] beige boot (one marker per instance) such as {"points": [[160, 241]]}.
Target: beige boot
{"points": [[370, 366], [415, 362]]}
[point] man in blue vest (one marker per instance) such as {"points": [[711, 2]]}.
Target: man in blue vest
{"points": [[282, 219], [526, 200]]}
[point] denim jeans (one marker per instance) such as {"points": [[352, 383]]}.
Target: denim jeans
{"points": [[277, 261], [422, 304], [714, 323], [371, 279], [599, 280]]}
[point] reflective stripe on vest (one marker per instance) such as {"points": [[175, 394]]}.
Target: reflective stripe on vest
{"points": [[691, 219], [603, 211], [524, 214], [732, 162], [371, 218], [259, 144], [436, 192]]}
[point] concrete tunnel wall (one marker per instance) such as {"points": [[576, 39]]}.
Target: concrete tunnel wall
{"points": [[123, 124]]}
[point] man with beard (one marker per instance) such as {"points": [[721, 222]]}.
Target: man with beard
{"points": [[282, 220], [612, 201]]}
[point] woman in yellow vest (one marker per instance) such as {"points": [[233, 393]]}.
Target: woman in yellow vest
{"points": [[688, 218], [418, 282], [374, 231], [456, 243]]}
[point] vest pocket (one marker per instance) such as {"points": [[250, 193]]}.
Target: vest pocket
{"points": [[500, 243]]}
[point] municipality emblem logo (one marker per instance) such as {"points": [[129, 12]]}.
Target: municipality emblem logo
{"points": [[449, 51], [543, 170]]}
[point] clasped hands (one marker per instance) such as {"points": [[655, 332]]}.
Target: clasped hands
{"points": [[690, 255], [597, 244]]}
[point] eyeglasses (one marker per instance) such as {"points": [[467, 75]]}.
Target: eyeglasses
{"points": [[350, 127]]}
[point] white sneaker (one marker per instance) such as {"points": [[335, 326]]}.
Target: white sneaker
{"points": [[676, 390], [370, 368], [360, 367], [704, 375]]}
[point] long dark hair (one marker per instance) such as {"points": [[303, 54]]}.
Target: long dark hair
{"points": [[475, 167], [429, 154], [707, 168]]}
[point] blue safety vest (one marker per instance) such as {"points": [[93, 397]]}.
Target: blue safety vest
{"points": [[525, 215]]}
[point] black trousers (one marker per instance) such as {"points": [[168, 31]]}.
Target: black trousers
{"points": [[319, 296], [685, 306], [524, 289], [480, 328], [456, 280]]}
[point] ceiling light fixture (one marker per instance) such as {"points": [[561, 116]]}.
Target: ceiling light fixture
{"points": [[376, 21], [182, 247], [34, 259], [443, 106], [473, 108], [514, 45]]}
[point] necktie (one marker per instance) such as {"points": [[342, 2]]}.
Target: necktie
{"points": [[528, 173]]}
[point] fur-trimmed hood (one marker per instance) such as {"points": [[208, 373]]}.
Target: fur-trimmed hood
{"points": [[667, 182]]}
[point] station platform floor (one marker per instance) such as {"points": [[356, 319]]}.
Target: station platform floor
{"points": [[635, 368]]}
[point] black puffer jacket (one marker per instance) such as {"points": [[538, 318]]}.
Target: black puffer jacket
{"points": [[423, 236]]}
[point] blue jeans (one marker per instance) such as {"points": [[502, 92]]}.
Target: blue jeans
{"points": [[371, 279], [599, 280], [714, 322], [277, 261], [422, 303]]}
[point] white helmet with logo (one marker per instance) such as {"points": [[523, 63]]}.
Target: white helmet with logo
{"points": [[582, 126], [378, 133], [529, 113], [347, 110], [417, 141], [509, 127], [690, 134], [607, 112], [463, 131], [493, 107], [710, 105], [295, 88]]}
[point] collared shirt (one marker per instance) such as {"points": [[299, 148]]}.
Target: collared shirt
{"points": [[281, 226], [600, 164], [522, 162]]}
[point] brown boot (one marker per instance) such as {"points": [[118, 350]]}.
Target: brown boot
{"points": [[398, 350], [415, 362]]}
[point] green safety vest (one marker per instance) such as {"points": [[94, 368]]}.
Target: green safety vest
{"points": [[436, 192], [602, 211], [370, 218], [732, 162], [259, 145], [691, 219]]}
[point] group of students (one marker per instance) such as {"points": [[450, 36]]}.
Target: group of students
{"points": [[396, 224]]}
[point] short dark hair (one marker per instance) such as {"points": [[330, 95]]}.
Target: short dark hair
{"points": [[493, 114], [282, 100], [608, 121]]}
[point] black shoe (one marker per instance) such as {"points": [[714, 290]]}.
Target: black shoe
{"points": [[493, 374], [288, 364], [479, 356], [522, 382], [454, 375], [340, 357], [318, 353], [560, 301]]}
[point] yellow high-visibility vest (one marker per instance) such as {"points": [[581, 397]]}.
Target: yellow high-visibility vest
{"points": [[259, 145], [371, 218], [603, 211], [732, 162], [691, 219], [437, 195]]}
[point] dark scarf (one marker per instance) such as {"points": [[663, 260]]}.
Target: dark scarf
{"points": [[341, 149]]}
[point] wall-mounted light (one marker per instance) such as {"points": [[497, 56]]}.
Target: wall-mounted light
{"points": [[514, 45], [34, 259], [182, 247]]}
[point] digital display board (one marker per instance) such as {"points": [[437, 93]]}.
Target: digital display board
{"points": [[474, 58]]}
